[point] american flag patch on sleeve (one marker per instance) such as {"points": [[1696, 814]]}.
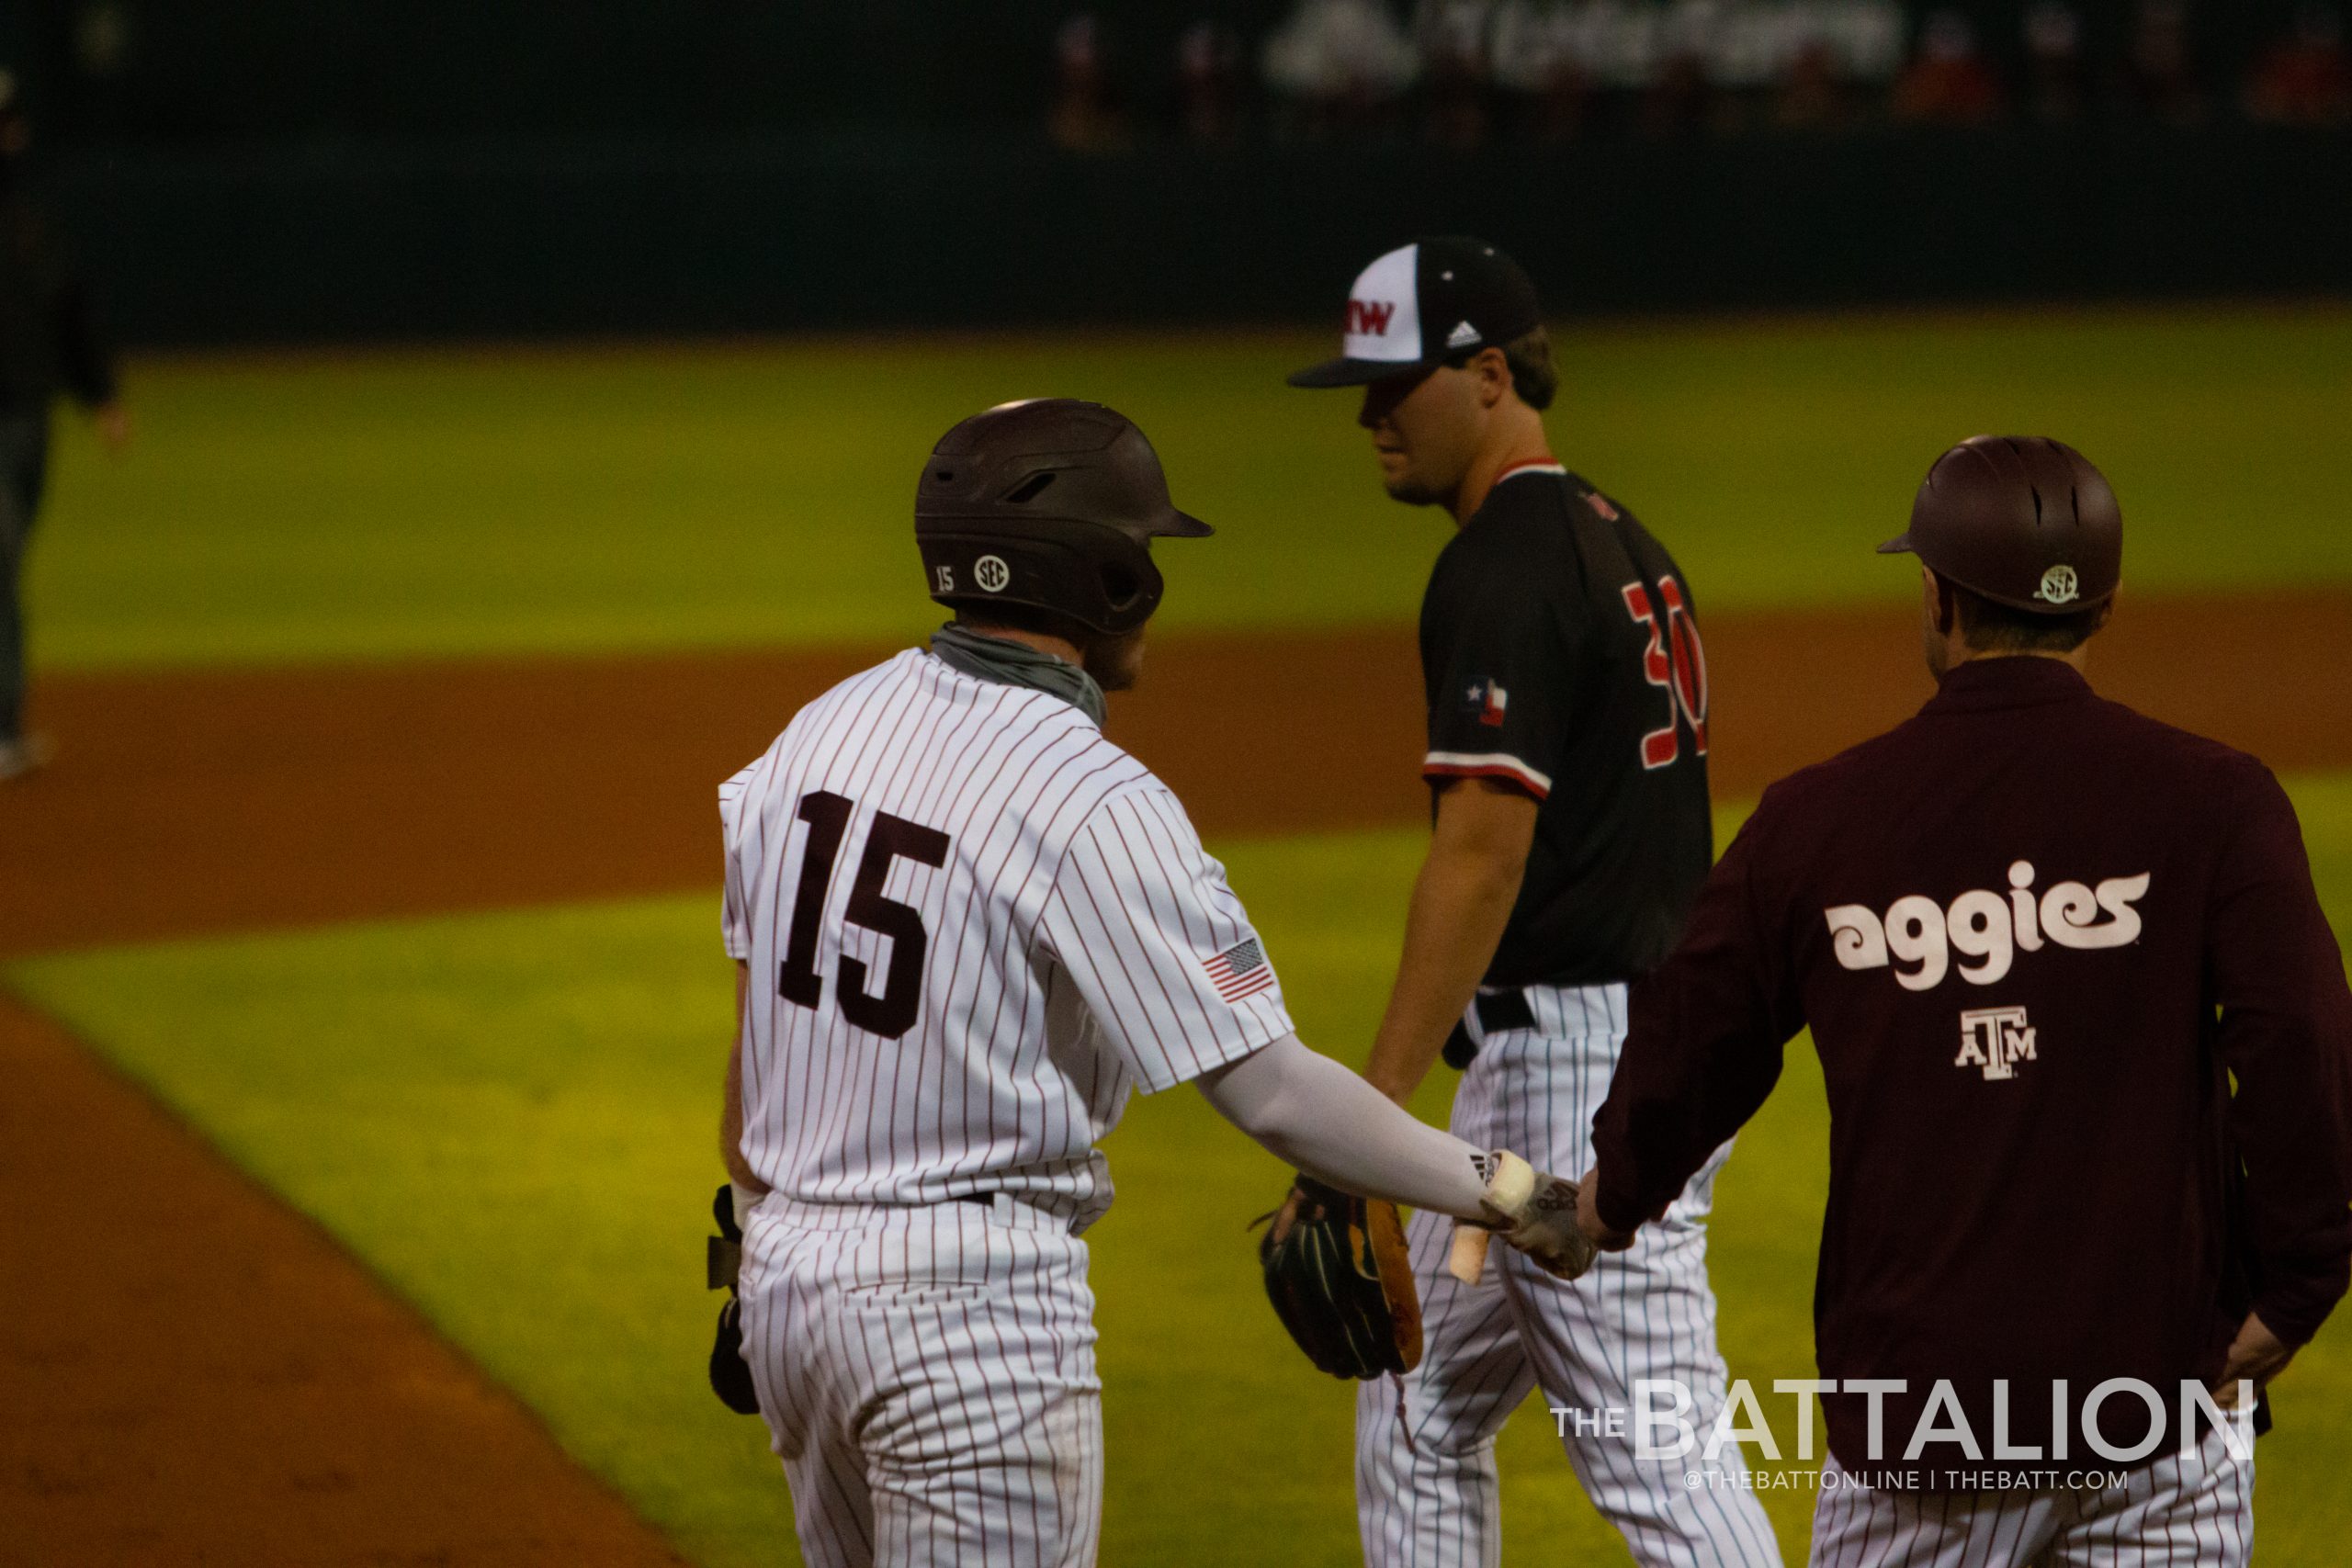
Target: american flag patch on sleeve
{"points": [[1241, 970]]}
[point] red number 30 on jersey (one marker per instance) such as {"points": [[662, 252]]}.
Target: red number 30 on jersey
{"points": [[1676, 661]]}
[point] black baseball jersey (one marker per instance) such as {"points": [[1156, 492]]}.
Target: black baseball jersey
{"points": [[1560, 650]]}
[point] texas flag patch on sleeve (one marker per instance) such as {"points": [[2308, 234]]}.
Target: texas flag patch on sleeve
{"points": [[1241, 970], [1489, 701]]}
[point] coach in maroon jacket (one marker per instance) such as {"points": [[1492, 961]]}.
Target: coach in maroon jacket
{"points": [[2037, 939]]}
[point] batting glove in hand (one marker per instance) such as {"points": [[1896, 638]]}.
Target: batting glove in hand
{"points": [[1536, 1213], [730, 1375]]}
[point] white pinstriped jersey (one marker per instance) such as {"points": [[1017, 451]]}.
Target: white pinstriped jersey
{"points": [[973, 925]]}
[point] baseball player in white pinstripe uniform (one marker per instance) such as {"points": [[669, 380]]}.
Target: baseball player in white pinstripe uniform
{"points": [[968, 926], [1566, 694]]}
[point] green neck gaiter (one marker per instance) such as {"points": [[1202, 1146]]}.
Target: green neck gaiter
{"points": [[1017, 664]]}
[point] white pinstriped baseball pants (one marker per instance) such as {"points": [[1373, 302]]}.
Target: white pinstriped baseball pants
{"points": [[1427, 1492], [2196, 1507], [928, 1377]]}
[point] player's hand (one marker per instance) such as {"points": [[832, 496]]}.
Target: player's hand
{"points": [[112, 421], [1596, 1229], [2257, 1356], [1536, 1213]]}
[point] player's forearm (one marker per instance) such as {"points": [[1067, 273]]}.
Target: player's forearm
{"points": [[2285, 1034], [730, 1112], [1461, 903], [1703, 1052], [82, 353], [1309, 1111], [730, 1127], [2287, 1114]]}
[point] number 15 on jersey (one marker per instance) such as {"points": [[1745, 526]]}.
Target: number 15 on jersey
{"points": [[892, 1012]]}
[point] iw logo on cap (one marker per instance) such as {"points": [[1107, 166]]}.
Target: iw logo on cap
{"points": [[1370, 317]]}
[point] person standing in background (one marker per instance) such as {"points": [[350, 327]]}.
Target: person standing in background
{"points": [[2088, 1054], [1566, 709], [48, 343]]}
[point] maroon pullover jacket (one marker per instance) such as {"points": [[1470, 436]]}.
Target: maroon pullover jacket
{"points": [[2088, 1051]]}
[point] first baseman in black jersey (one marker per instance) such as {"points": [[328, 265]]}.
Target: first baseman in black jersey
{"points": [[1566, 694], [1560, 650]]}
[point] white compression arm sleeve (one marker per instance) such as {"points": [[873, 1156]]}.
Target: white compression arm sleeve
{"points": [[1307, 1110]]}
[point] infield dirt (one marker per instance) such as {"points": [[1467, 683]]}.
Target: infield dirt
{"points": [[197, 1374]]}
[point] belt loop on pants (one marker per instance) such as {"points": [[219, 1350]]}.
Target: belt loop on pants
{"points": [[1020, 1212]]}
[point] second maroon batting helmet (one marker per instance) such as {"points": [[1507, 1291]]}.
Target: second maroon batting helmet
{"points": [[2022, 520]]}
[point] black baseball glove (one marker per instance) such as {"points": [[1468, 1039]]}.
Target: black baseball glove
{"points": [[1339, 1278], [730, 1375]]}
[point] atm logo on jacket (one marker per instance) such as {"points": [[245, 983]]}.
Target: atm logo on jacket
{"points": [[1981, 932]]}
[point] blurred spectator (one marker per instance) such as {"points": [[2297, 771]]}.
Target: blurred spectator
{"points": [[1865, 34], [49, 343], [1533, 57], [2158, 74], [1682, 98], [1208, 83], [1813, 95], [1826, 50], [1451, 36], [2057, 82], [1086, 116], [2305, 78], [1343, 62], [1705, 49], [1948, 81]]}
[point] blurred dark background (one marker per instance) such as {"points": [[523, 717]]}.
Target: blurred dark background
{"points": [[274, 171]]}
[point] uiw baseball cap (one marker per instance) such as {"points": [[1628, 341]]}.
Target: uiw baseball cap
{"points": [[1424, 304]]}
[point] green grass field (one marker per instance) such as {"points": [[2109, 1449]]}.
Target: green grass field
{"points": [[510, 1118], [401, 504]]}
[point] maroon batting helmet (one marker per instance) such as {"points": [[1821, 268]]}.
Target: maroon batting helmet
{"points": [[1050, 503], [2022, 520]]}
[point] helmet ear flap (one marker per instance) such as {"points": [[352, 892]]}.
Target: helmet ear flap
{"points": [[1102, 578], [1132, 585], [1120, 585]]}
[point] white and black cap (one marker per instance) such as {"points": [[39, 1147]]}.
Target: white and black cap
{"points": [[1424, 304]]}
